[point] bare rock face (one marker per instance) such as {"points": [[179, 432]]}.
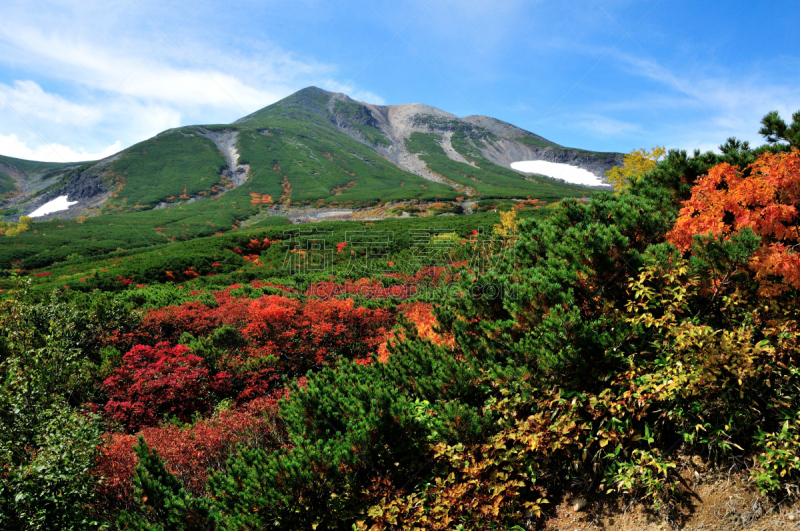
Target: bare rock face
{"points": [[504, 152], [87, 188]]}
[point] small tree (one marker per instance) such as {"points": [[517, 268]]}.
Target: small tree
{"points": [[637, 163], [164, 502], [46, 446], [761, 198]]}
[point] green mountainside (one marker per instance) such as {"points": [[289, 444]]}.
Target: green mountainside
{"points": [[23, 179], [312, 150], [483, 178]]}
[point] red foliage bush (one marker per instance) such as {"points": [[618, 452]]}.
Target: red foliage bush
{"points": [[365, 287], [260, 284], [189, 452], [158, 381], [167, 324], [299, 335], [258, 245], [306, 336]]}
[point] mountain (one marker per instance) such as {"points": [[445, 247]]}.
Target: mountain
{"points": [[387, 129], [312, 149]]}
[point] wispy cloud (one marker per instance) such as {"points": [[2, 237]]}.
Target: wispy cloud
{"points": [[721, 104], [111, 82], [29, 99], [607, 74]]}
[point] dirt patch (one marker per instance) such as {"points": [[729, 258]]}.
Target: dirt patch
{"points": [[724, 503]]}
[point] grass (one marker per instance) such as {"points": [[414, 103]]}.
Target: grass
{"points": [[317, 166], [148, 255], [168, 167], [298, 163], [32, 166], [358, 117], [307, 105], [54, 240]]}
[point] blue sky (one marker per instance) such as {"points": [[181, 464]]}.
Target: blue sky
{"points": [[81, 79]]}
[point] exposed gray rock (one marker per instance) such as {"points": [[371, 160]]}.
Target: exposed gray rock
{"points": [[226, 143]]}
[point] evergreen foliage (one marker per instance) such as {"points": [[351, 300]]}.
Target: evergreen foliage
{"points": [[774, 129], [484, 179], [7, 186], [165, 504]]}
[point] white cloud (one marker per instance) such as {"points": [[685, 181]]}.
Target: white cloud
{"points": [[12, 146], [167, 73], [722, 106], [28, 99], [114, 75]]}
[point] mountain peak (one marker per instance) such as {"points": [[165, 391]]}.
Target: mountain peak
{"points": [[305, 103]]}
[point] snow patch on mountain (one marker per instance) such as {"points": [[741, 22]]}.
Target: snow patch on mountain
{"points": [[563, 172], [59, 204]]}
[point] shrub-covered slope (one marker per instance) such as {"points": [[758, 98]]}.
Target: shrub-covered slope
{"points": [[459, 377]]}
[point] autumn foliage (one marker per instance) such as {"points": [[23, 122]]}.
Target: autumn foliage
{"points": [[592, 351], [274, 336], [158, 381], [190, 452], [420, 316], [764, 198]]}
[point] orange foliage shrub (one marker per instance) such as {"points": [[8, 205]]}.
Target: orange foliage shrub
{"points": [[300, 335], [763, 197]]}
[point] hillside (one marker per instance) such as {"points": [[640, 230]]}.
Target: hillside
{"points": [[312, 149], [23, 180], [626, 361], [592, 364], [309, 156], [388, 128]]}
